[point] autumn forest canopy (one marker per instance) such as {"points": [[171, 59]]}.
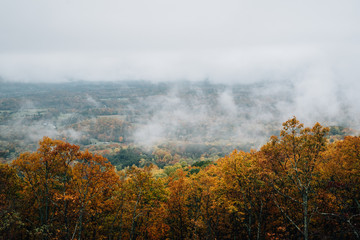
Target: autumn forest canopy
{"points": [[299, 185], [193, 120], [142, 160]]}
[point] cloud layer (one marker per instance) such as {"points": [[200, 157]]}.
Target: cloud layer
{"points": [[310, 47], [227, 41]]}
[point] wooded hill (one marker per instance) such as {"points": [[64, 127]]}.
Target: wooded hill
{"points": [[299, 185], [171, 121]]}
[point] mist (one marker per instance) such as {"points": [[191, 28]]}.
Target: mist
{"points": [[231, 41], [245, 114], [263, 62]]}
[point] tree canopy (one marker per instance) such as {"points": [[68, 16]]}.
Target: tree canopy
{"points": [[299, 185]]}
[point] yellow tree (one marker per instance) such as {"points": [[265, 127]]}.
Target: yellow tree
{"points": [[340, 173], [207, 211], [244, 193], [92, 186], [178, 205], [46, 175], [138, 206], [64, 190], [147, 197], [291, 162], [11, 224]]}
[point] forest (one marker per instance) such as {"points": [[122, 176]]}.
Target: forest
{"points": [[179, 120], [169, 122], [300, 184]]}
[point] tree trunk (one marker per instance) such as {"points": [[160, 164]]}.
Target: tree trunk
{"points": [[133, 225], [306, 215], [259, 221]]}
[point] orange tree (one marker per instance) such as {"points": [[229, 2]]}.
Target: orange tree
{"points": [[178, 206], [138, 206], [63, 189], [291, 163], [340, 174], [11, 224], [205, 206], [144, 206], [244, 193], [46, 176], [92, 186]]}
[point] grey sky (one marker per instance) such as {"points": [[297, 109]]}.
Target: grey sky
{"points": [[231, 41]]}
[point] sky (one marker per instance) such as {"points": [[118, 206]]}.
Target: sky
{"points": [[166, 40]]}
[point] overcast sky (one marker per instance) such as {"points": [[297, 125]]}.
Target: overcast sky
{"points": [[159, 40]]}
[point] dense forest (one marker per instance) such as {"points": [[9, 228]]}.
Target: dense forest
{"points": [[301, 184], [169, 122], [179, 120]]}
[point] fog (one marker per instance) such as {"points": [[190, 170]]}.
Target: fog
{"points": [[235, 115], [246, 114], [305, 53], [23, 125], [228, 41]]}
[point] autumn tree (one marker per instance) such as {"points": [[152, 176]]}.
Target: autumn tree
{"points": [[244, 193], [11, 224], [92, 186], [178, 205], [46, 175], [340, 174], [297, 186], [64, 189], [207, 208], [291, 162], [139, 206]]}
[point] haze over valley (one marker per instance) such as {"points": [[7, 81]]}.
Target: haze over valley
{"points": [[212, 116]]}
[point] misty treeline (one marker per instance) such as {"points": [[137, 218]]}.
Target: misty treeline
{"points": [[299, 185], [104, 116], [133, 113]]}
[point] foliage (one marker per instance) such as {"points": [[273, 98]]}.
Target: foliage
{"points": [[130, 156], [297, 186]]}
